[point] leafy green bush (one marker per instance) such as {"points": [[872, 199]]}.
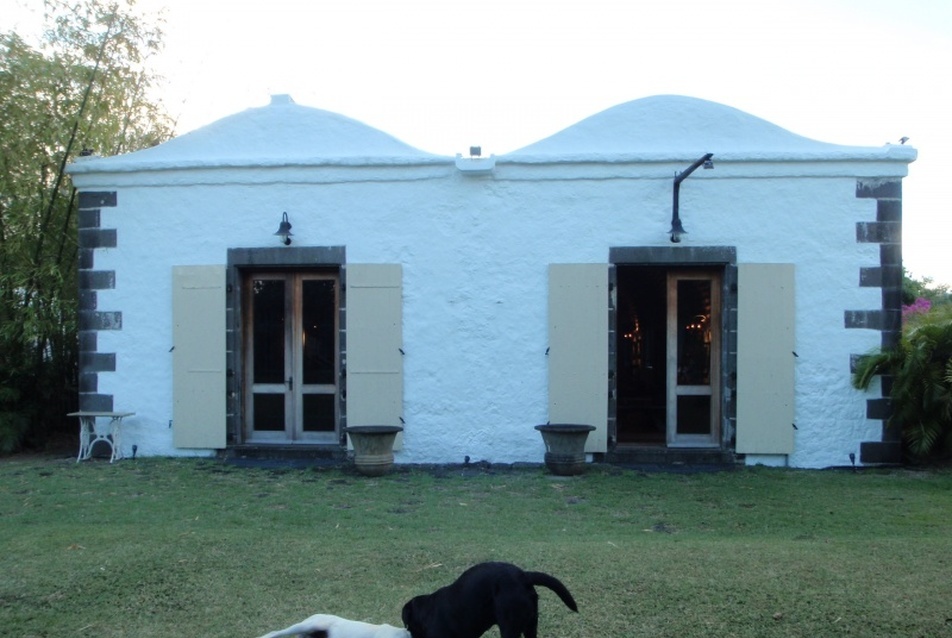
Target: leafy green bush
{"points": [[13, 423], [83, 84], [916, 289], [921, 392]]}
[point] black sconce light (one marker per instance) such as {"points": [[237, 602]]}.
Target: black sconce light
{"points": [[284, 230], [676, 228]]}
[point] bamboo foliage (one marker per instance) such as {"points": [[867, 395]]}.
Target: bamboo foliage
{"points": [[85, 85]]}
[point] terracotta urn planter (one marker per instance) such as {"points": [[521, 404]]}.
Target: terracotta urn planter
{"points": [[565, 447], [373, 447]]}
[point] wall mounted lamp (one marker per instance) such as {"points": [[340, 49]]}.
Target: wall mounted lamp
{"points": [[676, 228], [284, 230]]}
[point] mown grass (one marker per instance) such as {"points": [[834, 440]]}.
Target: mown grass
{"points": [[190, 547]]}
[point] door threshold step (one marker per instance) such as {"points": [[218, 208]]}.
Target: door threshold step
{"points": [[664, 456], [298, 455]]}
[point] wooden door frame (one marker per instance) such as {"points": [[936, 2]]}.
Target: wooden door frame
{"points": [[242, 260], [674, 389], [720, 258]]}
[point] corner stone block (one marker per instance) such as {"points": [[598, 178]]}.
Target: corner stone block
{"points": [[887, 381], [88, 300], [891, 320], [889, 210], [868, 319], [890, 338], [879, 188], [88, 382], [97, 362], [879, 409], [890, 255], [100, 320], [86, 258], [97, 238], [880, 452], [892, 277], [878, 232], [88, 340], [95, 402], [892, 299], [88, 218], [97, 279], [870, 277], [97, 199]]}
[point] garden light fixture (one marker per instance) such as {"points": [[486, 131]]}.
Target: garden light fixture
{"points": [[284, 230]]}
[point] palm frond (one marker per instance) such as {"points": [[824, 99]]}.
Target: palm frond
{"points": [[920, 367]]}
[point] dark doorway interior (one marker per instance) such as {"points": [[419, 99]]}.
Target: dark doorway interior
{"points": [[642, 356]]}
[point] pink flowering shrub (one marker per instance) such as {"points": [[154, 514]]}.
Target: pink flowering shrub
{"points": [[919, 307]]}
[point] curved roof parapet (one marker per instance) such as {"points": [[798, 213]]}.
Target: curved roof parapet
{"points": [[673, 127], [280, 134]]}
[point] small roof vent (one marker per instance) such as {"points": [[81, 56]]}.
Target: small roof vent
{"points": [[281, 98], [474, 164]]}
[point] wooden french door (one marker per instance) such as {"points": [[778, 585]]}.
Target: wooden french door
{"points": [[291, 355], [693, 358]]}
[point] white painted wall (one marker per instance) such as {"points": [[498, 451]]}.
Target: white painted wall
{"points": [[475, 252]]}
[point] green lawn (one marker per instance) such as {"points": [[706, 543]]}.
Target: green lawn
{"points": [[162, 547]]}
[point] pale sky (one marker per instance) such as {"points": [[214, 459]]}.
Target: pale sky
{"points": [[443, 75]]}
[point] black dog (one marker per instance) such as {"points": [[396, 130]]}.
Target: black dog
{"points": [[484, 595]]}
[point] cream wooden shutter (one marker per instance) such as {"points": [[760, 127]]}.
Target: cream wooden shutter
{"points": [[578, 348], [198, 357], [374, 339], [765, 359]]}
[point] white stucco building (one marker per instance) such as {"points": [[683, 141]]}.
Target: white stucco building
{"points": [[469, 299]]}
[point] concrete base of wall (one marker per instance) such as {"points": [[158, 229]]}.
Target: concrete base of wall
{"points": [[767, 460]]}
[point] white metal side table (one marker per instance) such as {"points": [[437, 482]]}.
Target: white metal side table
{"points": [[90, 432]]}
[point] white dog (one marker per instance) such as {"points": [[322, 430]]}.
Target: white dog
{"points": [[328, 626]]}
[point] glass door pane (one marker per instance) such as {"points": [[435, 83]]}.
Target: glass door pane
{"points": [[319, 413], [694, 331], [319, 331], [268, 412], [693, 355], [318, 356], [268, 329], [694, 414], [269, 362]]}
